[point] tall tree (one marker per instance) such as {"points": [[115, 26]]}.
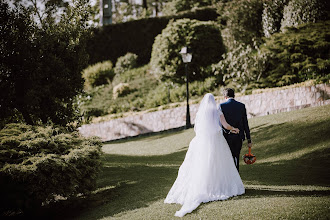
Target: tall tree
{"points": [[42, 55]]}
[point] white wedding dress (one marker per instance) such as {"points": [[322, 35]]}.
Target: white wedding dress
{"points": [[208, 172]]}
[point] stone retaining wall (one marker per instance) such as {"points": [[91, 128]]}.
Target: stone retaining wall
{"points": [[257, 105]]}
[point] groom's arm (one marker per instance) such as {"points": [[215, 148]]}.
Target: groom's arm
{"points": [[246, 126]]}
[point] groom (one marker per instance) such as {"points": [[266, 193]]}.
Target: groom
{"points": [[235, 114]]}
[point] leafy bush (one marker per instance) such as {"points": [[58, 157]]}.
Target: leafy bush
{"points": [[121, 89], [167, 93], [244, 65], [298, 55], [272, 16], [303, 11], [98, 74], [203, 37], [38, 163], [241, 21], [125, 63]]}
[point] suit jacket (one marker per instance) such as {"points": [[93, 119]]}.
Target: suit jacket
{"points": [[235, 115]]}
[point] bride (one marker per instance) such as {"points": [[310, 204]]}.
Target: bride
{"points": [[208, 172]]}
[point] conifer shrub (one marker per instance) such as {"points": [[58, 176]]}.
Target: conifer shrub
{"points": [[298, 55], [98, 74], [38, 163], [204, 38]]}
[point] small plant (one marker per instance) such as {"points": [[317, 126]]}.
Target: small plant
{"points": [[98, 74], [125, 63], [120, 90]]}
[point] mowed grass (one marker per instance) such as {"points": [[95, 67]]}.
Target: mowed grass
{"points": [[290, 179]]}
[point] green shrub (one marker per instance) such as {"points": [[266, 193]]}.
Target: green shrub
{"points": [[99, 100], [98, 74], [243, 65], [203, 37], [38, 163], [125, 63], [272, 16], [168, 93], [304, 11], [297, 55], [157, 97]]}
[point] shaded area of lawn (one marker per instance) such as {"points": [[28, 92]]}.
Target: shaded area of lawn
{"points": [[292, 162]]}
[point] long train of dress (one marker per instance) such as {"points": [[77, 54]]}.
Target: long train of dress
{"points": [[208, 173]]}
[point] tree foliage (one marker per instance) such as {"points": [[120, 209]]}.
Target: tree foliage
{"points": [[241, 21], [304, 11], [174, 6], [272, 16], [40, 53], [204, 38]]}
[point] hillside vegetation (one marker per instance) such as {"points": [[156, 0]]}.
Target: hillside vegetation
{"points": [[296, 56], [246, 45]]}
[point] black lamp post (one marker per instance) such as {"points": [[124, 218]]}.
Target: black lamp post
{"points": [[186, 57]]}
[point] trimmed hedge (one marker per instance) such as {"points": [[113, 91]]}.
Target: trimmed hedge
{"points": [[125, 63], [112, 41], [38, 163], [204, 38]]}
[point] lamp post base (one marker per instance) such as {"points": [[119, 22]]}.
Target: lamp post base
{"points": [[188, 124]]}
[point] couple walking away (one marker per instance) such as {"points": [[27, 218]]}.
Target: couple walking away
{"points": [[209, 171]]}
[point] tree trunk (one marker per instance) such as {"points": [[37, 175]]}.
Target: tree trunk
{"points": [[145, 4], [156, 8]]}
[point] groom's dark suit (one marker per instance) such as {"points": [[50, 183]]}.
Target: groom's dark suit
{"points": [[235, 115]]}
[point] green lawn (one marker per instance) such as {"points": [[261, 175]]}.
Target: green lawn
{"points": [[290, 179]]}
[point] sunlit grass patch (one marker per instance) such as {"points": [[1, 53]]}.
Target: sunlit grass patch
{"points": [[290, 179]]}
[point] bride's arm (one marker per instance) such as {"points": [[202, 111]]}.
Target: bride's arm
{"points": [[227, 126]]}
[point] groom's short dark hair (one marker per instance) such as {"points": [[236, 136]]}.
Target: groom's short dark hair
{"points": [[229, 92]]}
